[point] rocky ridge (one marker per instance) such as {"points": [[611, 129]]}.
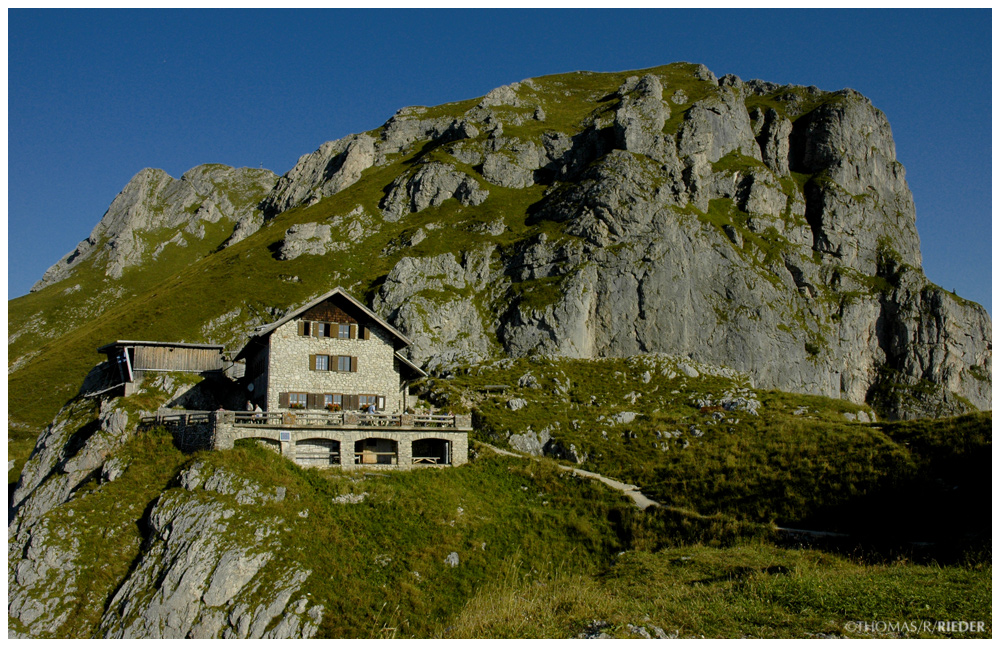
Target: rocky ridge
{"points": [[153, 201]]}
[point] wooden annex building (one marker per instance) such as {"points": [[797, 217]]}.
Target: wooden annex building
{"points": [[129, 361]]}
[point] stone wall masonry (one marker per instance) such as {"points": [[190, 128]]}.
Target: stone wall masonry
{"points": [[226, 434], [288, 366]]}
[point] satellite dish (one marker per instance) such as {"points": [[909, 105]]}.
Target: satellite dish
{"points": [[250, 388]]}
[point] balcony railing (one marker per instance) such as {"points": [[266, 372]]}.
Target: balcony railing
{"points": [[305, 418]]}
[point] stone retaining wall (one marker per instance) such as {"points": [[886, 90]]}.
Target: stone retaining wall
{"points": [[227, 433]]}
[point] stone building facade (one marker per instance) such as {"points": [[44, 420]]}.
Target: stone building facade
{"points": [[331, 354]]}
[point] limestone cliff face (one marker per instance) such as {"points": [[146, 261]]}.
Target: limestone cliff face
{"points": [[786, 250]]}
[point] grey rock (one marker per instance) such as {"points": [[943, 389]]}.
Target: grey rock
{"points": [[528, 381], [153, 201], [429, 186], [516, 404], [248, 225], [233, 571], [113, 469], [194, 580], [333, 167], [451, 559], [640, 117], [531, 442], [505, 95], [350, 498], [191, 478], [306, 238], [715, 127], [638, 630], [773, 133], [624, 417], [688, 370], [406, 128], [502, 170], [495, 227], [443, 331]]}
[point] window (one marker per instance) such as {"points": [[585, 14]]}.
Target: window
{"points": [[366, 400], [344, 331], [297, 400], [315, 329], [347, 364], [319, 362], [333, 401]]}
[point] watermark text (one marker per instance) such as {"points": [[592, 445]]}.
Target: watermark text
{"points": [[915, 626]]}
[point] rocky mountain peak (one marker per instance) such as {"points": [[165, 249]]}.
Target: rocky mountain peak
{"points": [[152, 201], [759, 226]]}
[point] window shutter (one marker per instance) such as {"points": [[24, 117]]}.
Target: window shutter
{"points": [[312, 401], [354, 331], [354, 365], [365, 333], [283, 400], [302, 328], [354, 402], [312, 362]]}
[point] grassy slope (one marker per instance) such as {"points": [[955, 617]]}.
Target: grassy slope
{"points": [[542, 553], [752, 590], [799, 461]]}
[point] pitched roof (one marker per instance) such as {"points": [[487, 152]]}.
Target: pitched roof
{"points": [[416, 369], [263, 331], [173, 344]]}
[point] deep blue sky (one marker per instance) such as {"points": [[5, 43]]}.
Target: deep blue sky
{"points": [[95, 96]]}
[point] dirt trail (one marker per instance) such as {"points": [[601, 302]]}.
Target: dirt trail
{"points": [[631, 491]]}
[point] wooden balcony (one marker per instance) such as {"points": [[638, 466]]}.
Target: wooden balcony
{"points": [[310, 419]]}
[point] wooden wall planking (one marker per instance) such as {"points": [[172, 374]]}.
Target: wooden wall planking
{"points": [[166, 358]]}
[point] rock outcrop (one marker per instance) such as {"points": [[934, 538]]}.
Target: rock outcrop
{"points": [[197, 579], [430, 186], [208, 567], [153, 201], [333, 167]]}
